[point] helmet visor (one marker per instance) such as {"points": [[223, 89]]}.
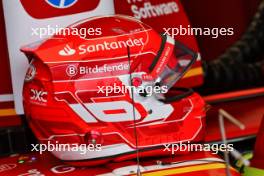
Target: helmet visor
{"points": [[171, 63]]}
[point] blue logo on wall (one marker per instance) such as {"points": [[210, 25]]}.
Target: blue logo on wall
{"points": [[61, 3]]}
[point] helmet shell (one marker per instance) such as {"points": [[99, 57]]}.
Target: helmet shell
{"points": [[66, 97]]}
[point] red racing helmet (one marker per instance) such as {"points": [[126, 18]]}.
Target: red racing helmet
{"points": [[111, 89]]}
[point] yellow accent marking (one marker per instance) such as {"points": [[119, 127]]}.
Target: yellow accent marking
{"points": [[7, 112], [194, 72], [186, 169]]}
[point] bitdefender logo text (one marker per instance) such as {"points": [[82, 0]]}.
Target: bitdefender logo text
{"points": [[73, 70]]}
